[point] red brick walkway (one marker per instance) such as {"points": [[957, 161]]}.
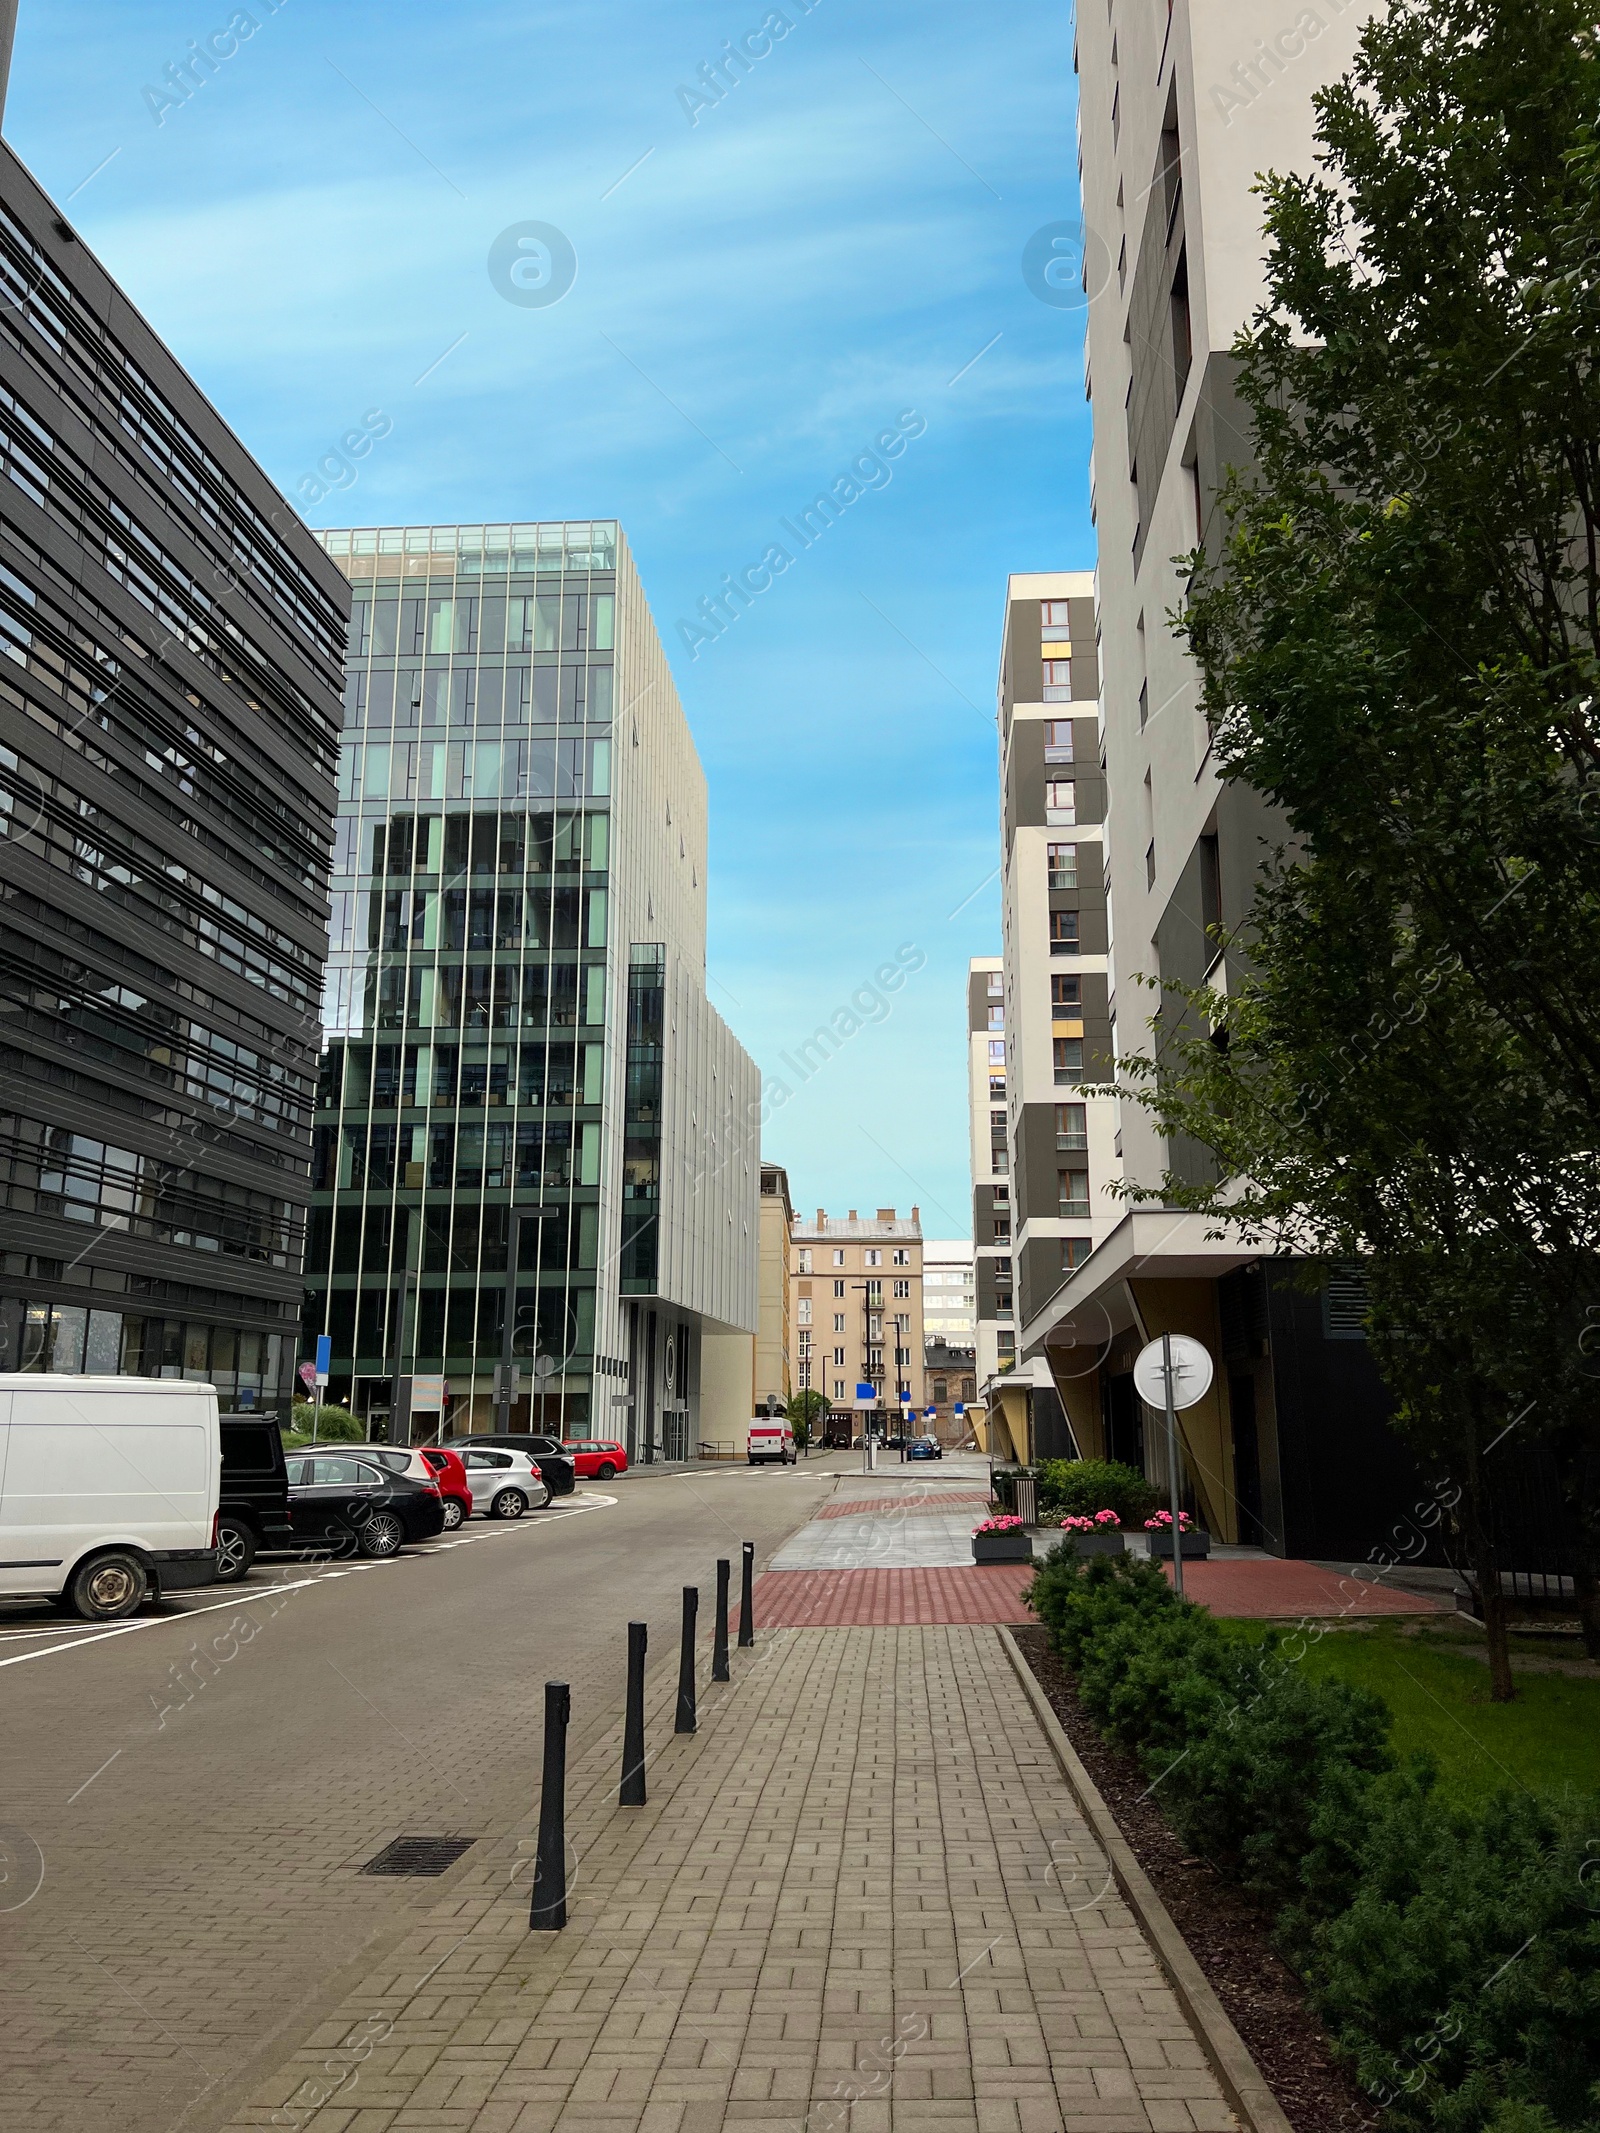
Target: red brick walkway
{"points": [[835, 1599], [936, 1504], [1259, 1588]]}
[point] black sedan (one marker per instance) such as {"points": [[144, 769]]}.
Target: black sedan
{"points": [[351, 1505], [558, 1468]]}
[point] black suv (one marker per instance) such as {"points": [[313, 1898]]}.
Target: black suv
{"points": [[253, 1510], [558, 1468]]}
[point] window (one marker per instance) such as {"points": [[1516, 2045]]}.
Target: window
{"points": [[997, 1017], [902, 1356], [804, 1312], [1057, 681], [1002, 1229], [838, 1388], [838, 1288], [874, 1258], [997, 984], [1063, 933], [805, 1261], [1074, 1190], [1210, 893], [1060, 802], [838, 1258], [1066, 994], [900, 1258], [1072, 1128], [1058, 740], [902, 1288], [1150, 864], [838, 1359], [1067, 1058], [1074, 1251], [1055, 621], [997, 1051], [941, 1391], [1063, 864], [838, 1321]]}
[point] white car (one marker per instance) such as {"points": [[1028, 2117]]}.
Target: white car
{"points": [[503, 1484]]}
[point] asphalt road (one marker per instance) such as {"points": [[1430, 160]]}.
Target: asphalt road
{"points": [[201, 1789]]}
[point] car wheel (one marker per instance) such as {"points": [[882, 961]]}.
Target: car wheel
{"points": [[109, 1586], [605, 1471], [236, 1550], [382, 1534], [453, 1514], [510, 1503]]}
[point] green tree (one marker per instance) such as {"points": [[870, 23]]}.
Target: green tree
{"points": [[806, 1408], [1396, 626]]}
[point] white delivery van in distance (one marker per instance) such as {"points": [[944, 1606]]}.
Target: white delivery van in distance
{"points": [[770, 1439], [108, 1490]]}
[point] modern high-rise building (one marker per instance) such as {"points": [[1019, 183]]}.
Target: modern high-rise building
{"points": [[169, 731], [994, 1306], [1054, 1143], [1178, 111], [518, 1039], [858, 1304], [949, 1292]]}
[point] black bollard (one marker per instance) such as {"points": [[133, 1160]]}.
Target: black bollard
{"points": [[719, 1641], [691, 1609], [631, 1793], [747, 1604], [548, 1910]]}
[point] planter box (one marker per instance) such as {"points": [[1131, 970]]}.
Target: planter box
{"points": [[1196, 1545], [1013, 1547], [1108, 1541]]}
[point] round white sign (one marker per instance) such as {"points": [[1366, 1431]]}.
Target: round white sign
{"points": [[1191, 1372]]}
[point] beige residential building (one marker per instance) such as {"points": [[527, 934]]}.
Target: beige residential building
{"points": [[857, 1285]]}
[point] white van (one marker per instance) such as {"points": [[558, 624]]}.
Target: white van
{"points": [[770, 1439], [108, 1490]]}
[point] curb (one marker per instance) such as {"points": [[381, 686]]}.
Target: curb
{"points": [[1242, 2081]]}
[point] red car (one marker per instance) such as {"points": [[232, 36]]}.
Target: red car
{"points": [[595, 1458], [447, 1469]]}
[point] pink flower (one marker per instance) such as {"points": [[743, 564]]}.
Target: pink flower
{"points": [[1107, 1518], [1077, 1525], [998, 1525], [1163, 1519]]}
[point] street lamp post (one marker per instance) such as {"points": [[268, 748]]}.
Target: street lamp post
{"points": [[505, 1378]]}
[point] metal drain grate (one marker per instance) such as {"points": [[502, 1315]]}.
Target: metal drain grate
{"points": [[418, 1855]]}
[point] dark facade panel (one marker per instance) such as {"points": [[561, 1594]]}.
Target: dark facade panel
{"points": [[1024, 668], [169, 713]]}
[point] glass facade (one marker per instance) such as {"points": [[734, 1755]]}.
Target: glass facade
{"points": [[170, 667], [464, 1008]]}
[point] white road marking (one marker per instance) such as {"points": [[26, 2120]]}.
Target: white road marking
{"points": [[128, 1629]]}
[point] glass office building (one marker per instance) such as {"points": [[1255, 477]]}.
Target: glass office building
{"points": [[512, 890], [172, 643]]}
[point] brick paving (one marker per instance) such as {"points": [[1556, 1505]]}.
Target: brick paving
{"points": [[1270, 1588], [826, 1599], [861, 1900], [934, 1505]]}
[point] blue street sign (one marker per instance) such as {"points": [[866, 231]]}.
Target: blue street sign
{"points": [[324, 1357], [866, 1395]]}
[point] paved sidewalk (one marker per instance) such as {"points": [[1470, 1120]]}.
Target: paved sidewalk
{"points": [[861, 1900]]}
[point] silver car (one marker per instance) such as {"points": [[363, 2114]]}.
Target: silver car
{"points": [[504, 1484]]}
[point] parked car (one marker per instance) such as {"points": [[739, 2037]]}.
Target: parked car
{"points": [[769, 1441], [254, 1509], [596, 1459], [553, 1463], [349, 1502], [924, 1448], [505, 1483], [109, 1490], [451, 1475]]}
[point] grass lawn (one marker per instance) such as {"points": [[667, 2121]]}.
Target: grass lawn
{"points": [[1547, 1739]]}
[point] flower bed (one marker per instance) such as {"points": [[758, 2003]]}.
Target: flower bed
{"points": [[1001, 1540], [1094, 1533], [1454, 1956]]}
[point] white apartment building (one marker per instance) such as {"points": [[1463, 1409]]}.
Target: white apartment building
{"points": [[949, 1292], [1180, 107]]}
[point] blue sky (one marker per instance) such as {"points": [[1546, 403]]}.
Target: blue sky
{"points": [[774, 283]]}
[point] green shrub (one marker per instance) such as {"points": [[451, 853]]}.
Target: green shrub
{"points": [[1454, 1955], [336, 1426], [1464, 1976], [1077, 1488]]}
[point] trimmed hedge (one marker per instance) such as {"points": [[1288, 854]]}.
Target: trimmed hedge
{"points": [[1454, 1957], [336, 1426], [1077, 1488]]}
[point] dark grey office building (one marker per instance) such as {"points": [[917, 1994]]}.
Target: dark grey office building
{"points": [[172, 642]]}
